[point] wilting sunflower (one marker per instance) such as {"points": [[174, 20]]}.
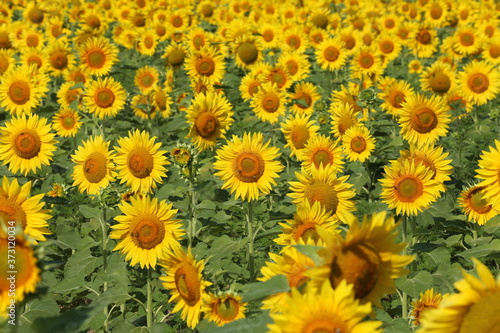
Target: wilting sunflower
{"points": [[305, 221], [394, 95], [26, 143], [438, 78], [343, 117], [357, 143], [94, 168], [408, 187], [27, 213], [224, 308], [140, 162], [104, 97], [323, 185], [206, 62], [427, 300], [474, 308], [321, 150], [97, 55], [475, 206], [269, 102], [210, 116], [331, 54], [146, 78], [368, 258], [424, 120], [297, 131], [146, 230], [66, 122], [489, 172], [248, 166], [185, 283], [324, 309], [479, 82], [27, 272], [21, 89]]}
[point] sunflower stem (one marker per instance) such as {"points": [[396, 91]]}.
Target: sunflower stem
{"points": [[404, 235], [149, 303], [192, 204], [251, 260], [104, 259]]}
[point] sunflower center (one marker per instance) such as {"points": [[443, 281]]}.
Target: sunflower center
{"points": [[160, 30], [19, 92], [248, 53], [330, 324], [489, 31], [299, 136], [32, 41], [358, 144], [228, 309], [408, 188], [322, 156], [188, 284], [59, 60], [270, 102], [93, 21], [104, 97], [305, 231], [306, 99], [331, 53], [206, 124], [494, 51], [366, 60], [4, 40], [389, 23], [317, 38], [96, 59], [293, 41], [12, 211], [478, 203], [424, 37], [486, 307], [140, 162], [205, 66], [95, 167], [349, 41], [292, 67], [207, 10], [33, 60], [324, 194], [176, 57], [268, 35], [249, 167], [466, 39], [4, 64], [176, 21], [358, 264], [387, 46], [439, 82], [68, 122], [36, 15], [279, 77], [147, 80], [396, 99], [478, 83], [24, 266], [149, 42], [436, 11], [320, 20], [423, 120], [147, 232], [27, 144], [253, 88]]}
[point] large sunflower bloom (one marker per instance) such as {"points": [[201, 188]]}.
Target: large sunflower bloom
{"points": [[27, 213], [185, 283], [66, 122], [248, 166], [489, 172], [268, 102], [26, 144], [298, 130], [479, 82], [104, 97], [146, 230], [358, 144], [94, 166], [140, 162], [474, 308], [98, 55], [321, 150], [208, 63]]}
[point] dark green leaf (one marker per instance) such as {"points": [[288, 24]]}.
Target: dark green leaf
{"points": [[260, 290]]}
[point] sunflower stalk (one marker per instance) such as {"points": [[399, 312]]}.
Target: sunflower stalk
{"points": [[405, 237], [104, 256], [192, 203], [251, 259], [149, 301]]}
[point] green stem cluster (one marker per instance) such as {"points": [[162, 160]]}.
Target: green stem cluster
{"points": [[251, 259], [192, 205]]}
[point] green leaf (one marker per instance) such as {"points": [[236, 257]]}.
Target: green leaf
{"points": [[141, 329], [90, 212], [398, 325], [416, 285], [312, 252], [224, 246], [438, 256], [255, 325], [481, 251], [37, 308], [260, 290]]}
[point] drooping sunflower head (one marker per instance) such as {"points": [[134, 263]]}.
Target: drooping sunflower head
{"points": [[438, 78], [224, 308], [247, 50]]}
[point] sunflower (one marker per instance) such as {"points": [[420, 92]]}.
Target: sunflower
{"points": [[394, 95], [6, 60], [104, 97], [331, 54], [146, 230], [148, 41], [366, 63], [206, 62], [424, 41], [427, 300], [61, 57], [94, 168], [350, 38], [489, 172], [175, 54], [368, 258], [322, 185], [29, 38], [357, 143], [27, 273], [491, 51], [303, 98], [27, 213], [294, 39], [66, 122], [185, 283], [438, 78], [210, 116], [68, 96], [324, 309], [247, 50], [479, 82], [55, 29], [22, 89], [77, 74], [33, 13], [143, 106], [321, 150], [415, 66], [475, 206], [298, 129], [224, 308], [248, 166], [473, 309], [26, 144], [140, 162], [408, 187], [303, 226], [270, 35], [343, 117], [146, 78], [296, 64], [467, 40], [347, 95], [277, 75], [249, 85], [269, 102], [436, 13], [424, 120], [37, 57], [97, 55], [388, 47], [162, 101]]}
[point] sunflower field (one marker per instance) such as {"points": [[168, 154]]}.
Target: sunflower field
{"points": [[250, 166]]}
